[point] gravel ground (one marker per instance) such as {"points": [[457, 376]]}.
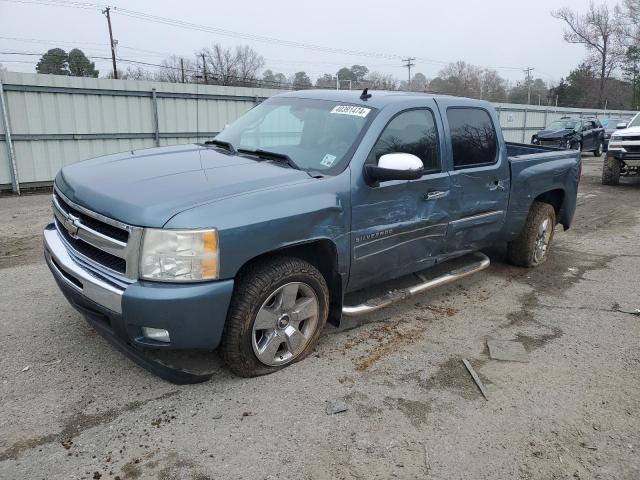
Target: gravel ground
{"points": [[82, 410]]}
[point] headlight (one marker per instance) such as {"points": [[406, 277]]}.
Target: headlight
{"points": [[179, 255]]}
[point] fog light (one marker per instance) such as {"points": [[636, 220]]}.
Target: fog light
{"points": [[157, 334]]}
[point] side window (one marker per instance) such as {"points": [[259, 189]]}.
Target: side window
{"points": [[412, 131], [473, 137]]}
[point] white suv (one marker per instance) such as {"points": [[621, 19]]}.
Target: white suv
{"points": [[623, 155]]}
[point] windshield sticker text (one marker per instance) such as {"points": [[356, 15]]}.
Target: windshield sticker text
{"points": [[351, 110]]}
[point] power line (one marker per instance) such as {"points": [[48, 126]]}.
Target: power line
{"points": [[241, 35]]}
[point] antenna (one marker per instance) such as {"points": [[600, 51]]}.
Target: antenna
{"points": [[365, 94]]}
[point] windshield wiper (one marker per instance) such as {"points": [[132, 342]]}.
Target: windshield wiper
{"points": [[268, 155], [221, 143]]}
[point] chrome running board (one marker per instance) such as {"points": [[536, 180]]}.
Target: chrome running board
{"points": [[480, 262]]}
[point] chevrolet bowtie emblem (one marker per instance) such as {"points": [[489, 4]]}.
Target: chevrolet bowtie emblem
{"points": [[71, 226]]}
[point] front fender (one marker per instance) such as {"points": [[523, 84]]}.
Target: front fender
{"points": [[260, 222]]}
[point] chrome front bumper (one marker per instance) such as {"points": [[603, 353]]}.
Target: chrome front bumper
{"points": [[75, 276]]}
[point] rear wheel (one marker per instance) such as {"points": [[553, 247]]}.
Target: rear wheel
{"points": [[531, 247], [278, 312], [611, 171]]}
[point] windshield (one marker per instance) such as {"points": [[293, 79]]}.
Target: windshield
{"points": [[611, 122], [316, 134], [635, 122], [564, 125]]}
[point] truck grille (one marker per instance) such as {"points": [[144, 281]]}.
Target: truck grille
{"points": [[632, 148], [102, 242]]}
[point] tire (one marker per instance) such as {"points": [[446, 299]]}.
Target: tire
{"points": [[526, 250], [598, 151], [574, 145], [611, 171], [267, 288]]}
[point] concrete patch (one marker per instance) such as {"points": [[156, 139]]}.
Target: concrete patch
{"points": [[507, 350]]}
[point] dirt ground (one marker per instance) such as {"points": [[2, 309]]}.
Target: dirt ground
{"points": [[82, 410]]}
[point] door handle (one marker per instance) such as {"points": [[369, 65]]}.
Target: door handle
{"points": [[434, 194], [496, 185]]}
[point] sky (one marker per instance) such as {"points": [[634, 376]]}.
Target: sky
{"points": [[505, 35]]}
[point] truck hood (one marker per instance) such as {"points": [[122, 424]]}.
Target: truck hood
{"points": [[554, 134], [632, 131], [148, 187]]}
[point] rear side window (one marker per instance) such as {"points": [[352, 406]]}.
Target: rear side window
{"points": [[473, 137], [412, 131]]}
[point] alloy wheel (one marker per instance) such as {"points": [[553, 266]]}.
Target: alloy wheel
{"points": [[285, 323]]}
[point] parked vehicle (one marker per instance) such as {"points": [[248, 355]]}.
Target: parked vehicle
{"points": [[250, 241], [610, 125], [623, 155], [573, 133]]}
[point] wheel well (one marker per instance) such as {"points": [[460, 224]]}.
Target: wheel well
{"points": [[323, 255], [554, 198]]}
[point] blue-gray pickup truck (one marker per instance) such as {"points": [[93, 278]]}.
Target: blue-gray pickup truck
{"points": [[248, 243]]}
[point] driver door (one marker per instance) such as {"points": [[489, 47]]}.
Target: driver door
{"points": [[399, 226]]}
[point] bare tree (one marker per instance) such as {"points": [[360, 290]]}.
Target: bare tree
{"points": [[249, 63], [136, 73], [460, 78], [176, 69], [599, 31], [629, 17], [232, 67], [381, 81], [221, 64]]}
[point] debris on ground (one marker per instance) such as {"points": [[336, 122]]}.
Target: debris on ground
{"points": [[507, 350], [475, 377], [336, 406], [26, 368], [587, 446], [52, 362]]}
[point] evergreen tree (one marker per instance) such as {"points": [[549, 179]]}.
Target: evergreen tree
{"points": [[54, 62]]}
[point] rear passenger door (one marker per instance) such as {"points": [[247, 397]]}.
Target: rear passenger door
{"points": [[480, 176]]}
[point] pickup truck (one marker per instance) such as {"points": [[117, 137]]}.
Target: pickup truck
{"points": [[623, 153], [250, 241], [573, 133]]}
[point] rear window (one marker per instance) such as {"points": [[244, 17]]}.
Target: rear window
{"points": [[473, 137]]}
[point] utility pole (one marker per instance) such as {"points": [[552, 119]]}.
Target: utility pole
{"points": [[204, 68], [182, 68], [408, 63], [337, 82], [528, 71], [113, 46]]}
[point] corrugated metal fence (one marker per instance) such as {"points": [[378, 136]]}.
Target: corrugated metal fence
{"points": [[57, 120]]}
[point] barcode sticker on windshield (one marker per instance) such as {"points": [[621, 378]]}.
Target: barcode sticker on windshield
{"points": [[351, 110], [328, 160]]}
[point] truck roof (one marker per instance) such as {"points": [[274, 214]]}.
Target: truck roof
{"points": [[379, 98]]}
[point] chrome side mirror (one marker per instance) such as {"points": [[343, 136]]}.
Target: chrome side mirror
{"points": [[395, 166]]}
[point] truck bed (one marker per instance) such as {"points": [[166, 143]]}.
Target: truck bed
{"points": [[544, 173]]}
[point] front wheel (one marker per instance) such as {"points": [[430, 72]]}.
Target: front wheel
{"points": [[611, 171], [531, 247], [598, 151], [278, 312]]}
